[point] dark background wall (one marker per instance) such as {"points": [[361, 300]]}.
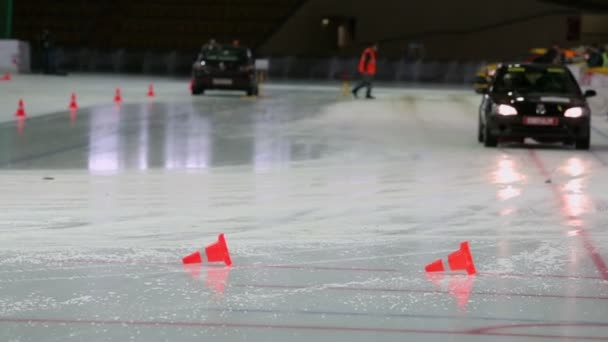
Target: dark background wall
{"points": [[461, 30], [465, 29]]}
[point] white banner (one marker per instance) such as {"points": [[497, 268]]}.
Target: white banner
{"points": [[14, 56]]}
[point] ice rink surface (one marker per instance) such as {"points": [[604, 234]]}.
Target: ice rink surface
{"points": [[331, 208]]}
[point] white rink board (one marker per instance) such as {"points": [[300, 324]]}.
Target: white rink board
{"points": [[14, 56]]}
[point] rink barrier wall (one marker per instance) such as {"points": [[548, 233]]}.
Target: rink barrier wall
{"points": [[176, 63]]}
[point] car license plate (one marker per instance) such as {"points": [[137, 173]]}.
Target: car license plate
{"points": [[540, 121], [222, 81]]}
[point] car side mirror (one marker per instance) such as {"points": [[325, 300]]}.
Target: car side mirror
{"points": [[590, 93]]}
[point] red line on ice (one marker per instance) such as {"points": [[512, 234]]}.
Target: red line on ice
{"points": [[406, 290], [591, 249], [488, 331]]}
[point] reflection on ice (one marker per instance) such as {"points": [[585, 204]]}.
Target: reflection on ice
{"points": [[506, 175], [506, 172], [508, 193], [575, 201], [104, 143], [187, 139], [574, 167]]}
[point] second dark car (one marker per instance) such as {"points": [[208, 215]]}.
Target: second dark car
{"points": [[543, 102], [224, 68]]}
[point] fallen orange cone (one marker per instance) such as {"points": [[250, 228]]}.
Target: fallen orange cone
{"points": [[462, 260], [215, 252], [194, 258], [435, 266], [218, 251]]}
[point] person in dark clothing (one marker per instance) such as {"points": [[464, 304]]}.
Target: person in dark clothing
{"points": [[367, 69], [47, 44], [594, 59], [553, 56]]}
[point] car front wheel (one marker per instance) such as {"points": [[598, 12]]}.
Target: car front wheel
{"points": [[488, 139], [583, 143], [252, 91], [197, 90]]}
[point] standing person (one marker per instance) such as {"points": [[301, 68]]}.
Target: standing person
{"points": [[367, 69], [594, 59], [554, 55], [47, 44]]}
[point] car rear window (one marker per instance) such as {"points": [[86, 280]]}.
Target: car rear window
{"points": [[533, 79], [226, 55]]}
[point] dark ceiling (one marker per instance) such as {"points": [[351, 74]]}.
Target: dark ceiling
{"points": [[585, 5]]}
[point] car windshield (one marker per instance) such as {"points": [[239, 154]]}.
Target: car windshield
{"points": [[225, 55], [531, 79]]}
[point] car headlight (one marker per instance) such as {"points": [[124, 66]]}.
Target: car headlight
{"points": [[505, 110], [574, 112], [203, 63]]}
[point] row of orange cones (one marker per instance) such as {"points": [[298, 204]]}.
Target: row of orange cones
{"points": [[74, 103], [460, 260]]}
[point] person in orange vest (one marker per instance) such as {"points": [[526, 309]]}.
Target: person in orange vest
{"points": [[367, 69]]}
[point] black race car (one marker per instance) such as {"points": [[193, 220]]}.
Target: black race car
{"points": [[543, 102], [226, 68]]}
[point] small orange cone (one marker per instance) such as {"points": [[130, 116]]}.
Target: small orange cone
{"points": [[218, 251], [462, 260], [21, 109], [118, 96], [73, 102], [435, 266], [151, 91], [6, 77]]}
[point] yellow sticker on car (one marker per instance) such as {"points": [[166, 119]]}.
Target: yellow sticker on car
{"points": [[517, 69]]}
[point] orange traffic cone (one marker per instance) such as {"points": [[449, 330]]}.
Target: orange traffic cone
{"points": [[215, 252], [435, 266], [6, 77], [118, 96], [194, 258], [462, 260], [21, 109], [218, 251], [73, 102], [151, 91]]}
